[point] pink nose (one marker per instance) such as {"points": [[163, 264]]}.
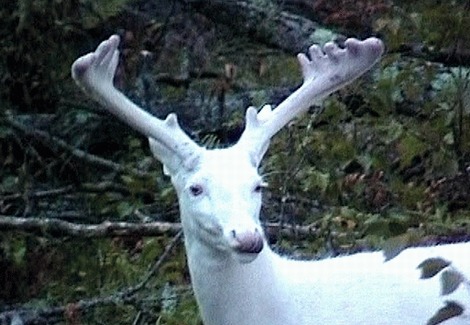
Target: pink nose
{"points": [[248, 241]]}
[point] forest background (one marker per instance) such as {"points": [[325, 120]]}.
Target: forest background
{"points": [[89, 228]]}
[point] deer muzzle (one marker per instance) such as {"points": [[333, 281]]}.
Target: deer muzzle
{"points": [[247, 242]]}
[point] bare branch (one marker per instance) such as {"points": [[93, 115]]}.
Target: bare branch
{"points": [[39, 194], [80, 154], [86, 187], [125, 229], [451, 56], [58, 227]]}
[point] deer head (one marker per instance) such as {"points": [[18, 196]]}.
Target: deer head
{"points": [[219, 190]]}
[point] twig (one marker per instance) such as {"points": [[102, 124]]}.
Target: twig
{"points": [[155, 267], [80, 154], [451, 56], [104, 186], [39, 194], [56, 314]]}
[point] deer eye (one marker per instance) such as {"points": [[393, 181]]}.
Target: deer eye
{"points": [[259, 187], [196, 190]]}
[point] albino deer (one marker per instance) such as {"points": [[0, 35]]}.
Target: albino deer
{"points": [[237, 278]]}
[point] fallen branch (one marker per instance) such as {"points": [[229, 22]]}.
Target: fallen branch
{"points": [[58, 227]]}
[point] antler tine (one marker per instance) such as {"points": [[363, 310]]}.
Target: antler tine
{"points": [[326, 71], [94, 72]]}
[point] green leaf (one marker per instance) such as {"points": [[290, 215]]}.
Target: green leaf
{"points": [[410, 147], [450, 310], [19, 255], [377, 225], [134, 143], [316, 180], [449, 138], [9, 183], [394, 246], [99, 12], [431, 266], [450, 281], [124, 209]]}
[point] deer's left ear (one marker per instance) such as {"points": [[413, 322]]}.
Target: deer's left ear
{"points": [[172, 163], [257, 155]]}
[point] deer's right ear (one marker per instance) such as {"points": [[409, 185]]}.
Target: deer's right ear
{"points": [[172, 163]]}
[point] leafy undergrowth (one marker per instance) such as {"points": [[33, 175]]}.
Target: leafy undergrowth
{"points": [[388, 157]]}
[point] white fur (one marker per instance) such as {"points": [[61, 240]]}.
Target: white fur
{"points": [[237, 279]]}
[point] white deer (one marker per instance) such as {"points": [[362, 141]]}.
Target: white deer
{"points": [[237, 278]]}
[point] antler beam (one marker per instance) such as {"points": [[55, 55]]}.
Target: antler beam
{"points": [[94, 72], [325, 72]]}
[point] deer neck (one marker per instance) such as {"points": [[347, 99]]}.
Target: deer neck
{"points": [[228, 291]]}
